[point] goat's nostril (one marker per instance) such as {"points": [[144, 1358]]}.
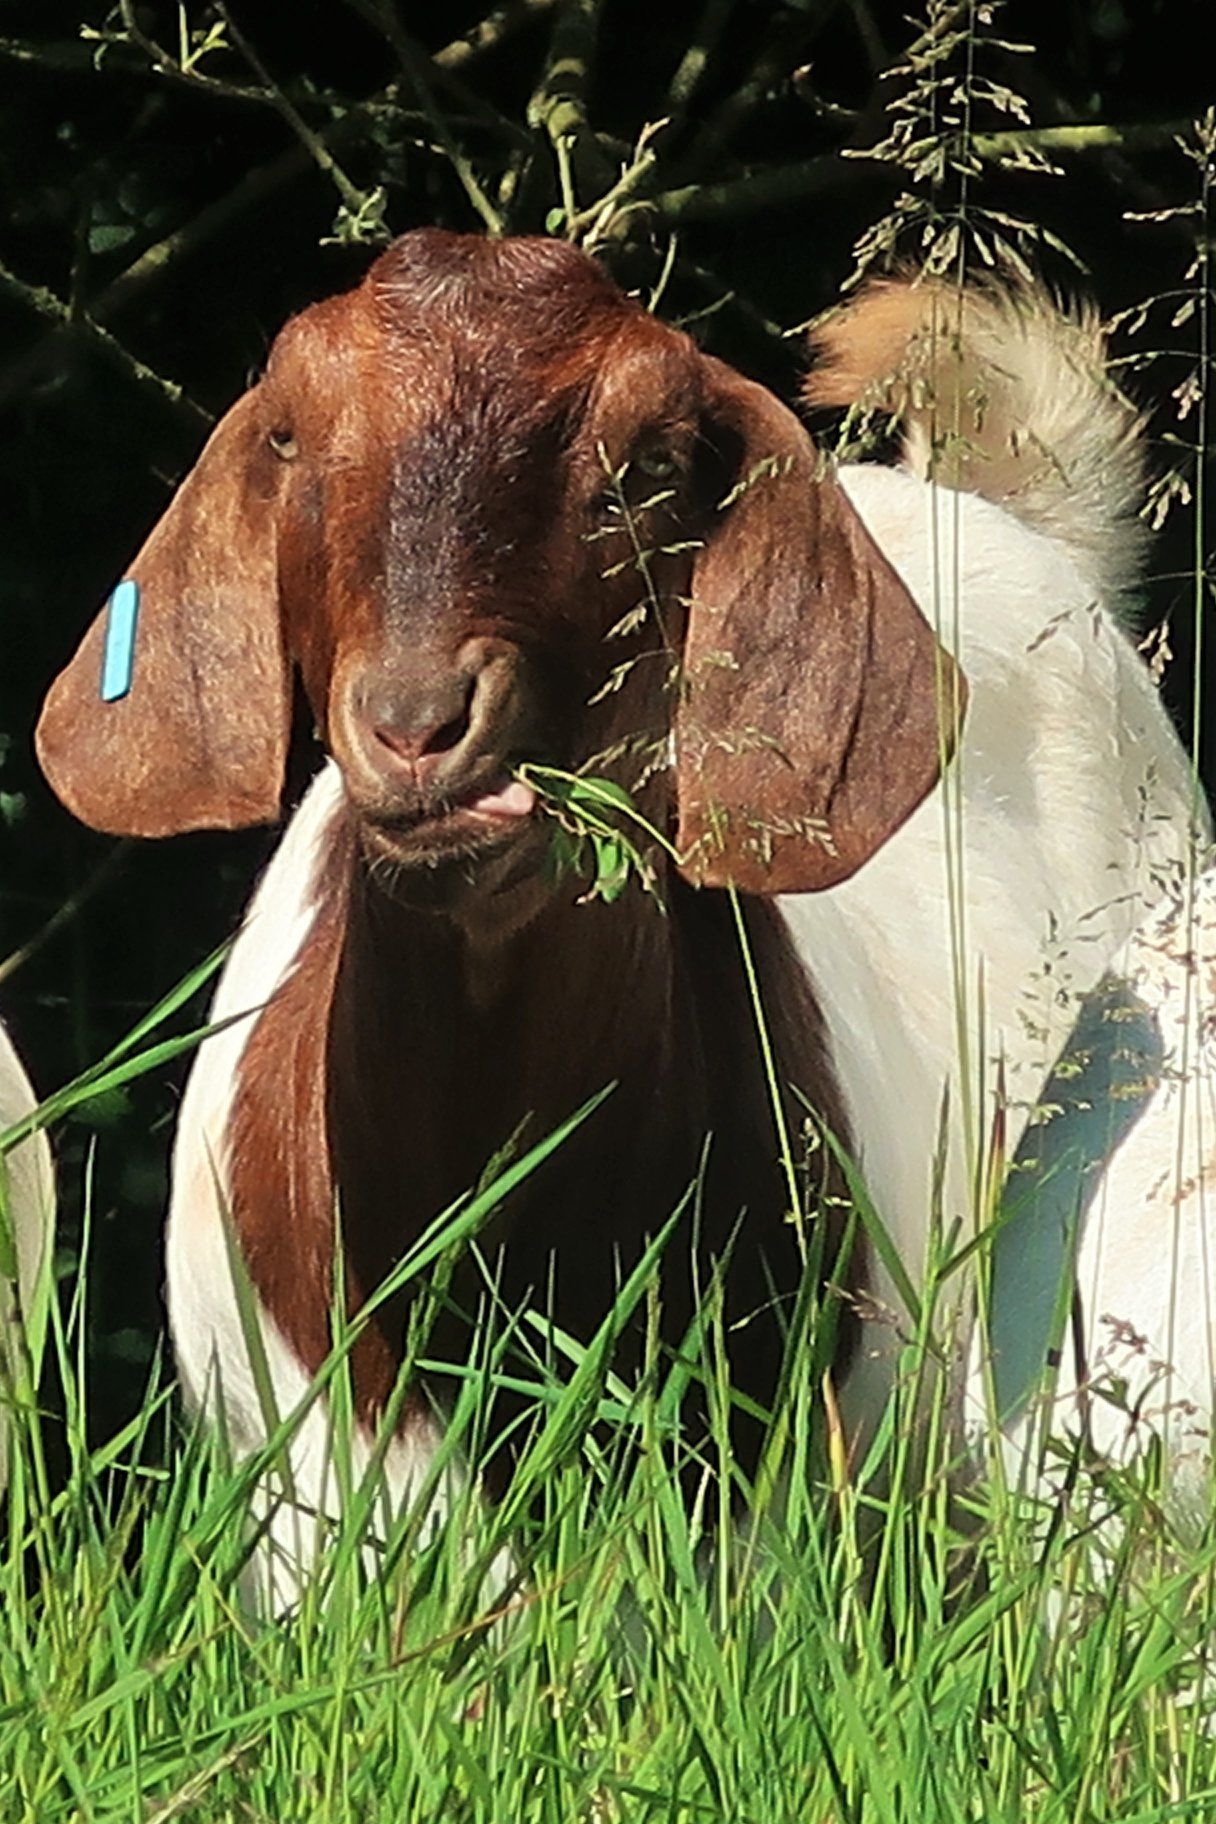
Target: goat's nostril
{"points": [[396, 742], [423, 733], [452, 733]]}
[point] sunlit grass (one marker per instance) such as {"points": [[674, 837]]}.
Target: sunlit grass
{"points": [[631, 1630]]}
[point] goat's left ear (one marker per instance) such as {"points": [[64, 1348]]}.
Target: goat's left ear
{"points": [[815, 702], [196, 736]]}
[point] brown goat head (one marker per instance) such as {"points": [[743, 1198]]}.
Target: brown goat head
{"points": [[494, 511]]}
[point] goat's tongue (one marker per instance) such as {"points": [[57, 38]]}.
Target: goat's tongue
{"points": [[511, 799]]}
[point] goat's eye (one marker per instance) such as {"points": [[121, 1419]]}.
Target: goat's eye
{"points": [[657, 463], [283, 443]]}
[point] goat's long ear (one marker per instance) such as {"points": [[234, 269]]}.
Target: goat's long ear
{"points": [[199, 740], [813, 689]]}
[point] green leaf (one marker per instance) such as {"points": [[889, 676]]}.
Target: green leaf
{"points": [[612, 862]]}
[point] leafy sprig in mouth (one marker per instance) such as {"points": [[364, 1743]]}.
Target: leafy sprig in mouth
{"points": [[598, 831]]}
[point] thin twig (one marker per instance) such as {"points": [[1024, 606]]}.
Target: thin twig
{"points": [[447, 76], [64, 913], [416, 66], [355, 200], [601, 219], [47, 305], [731, 302], [270, 94], [169, 66]]}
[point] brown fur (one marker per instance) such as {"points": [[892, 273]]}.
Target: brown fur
{"points": [[339, 1099], [451, 427]]}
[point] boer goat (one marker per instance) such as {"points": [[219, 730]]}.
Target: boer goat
{"points": [[493, 512], [27, 1217]]}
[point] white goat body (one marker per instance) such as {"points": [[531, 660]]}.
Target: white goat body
{"points": [[1073, 810], [1138, 1354], [953, 965]]}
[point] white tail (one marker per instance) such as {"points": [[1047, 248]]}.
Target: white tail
{"points": [[1003, 394]]}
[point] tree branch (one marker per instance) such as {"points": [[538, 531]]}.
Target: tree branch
{"points": [[1084, 136], [46, 305], [690, 71], [72, 56], [773, 187], [156, 261], [558, 107], [490, 32], [772, 66]]}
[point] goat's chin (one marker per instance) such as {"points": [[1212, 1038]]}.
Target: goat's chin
{"points": [[469, 867]]}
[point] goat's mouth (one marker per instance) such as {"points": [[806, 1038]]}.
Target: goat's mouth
{"points": [[458, 828]]}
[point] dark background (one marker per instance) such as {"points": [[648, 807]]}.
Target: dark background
{"points": [[189, 220]]}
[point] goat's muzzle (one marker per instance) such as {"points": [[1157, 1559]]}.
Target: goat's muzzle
{"points": [[428, 754]]}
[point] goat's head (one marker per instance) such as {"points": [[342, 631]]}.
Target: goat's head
{"points": [[494, 511]]}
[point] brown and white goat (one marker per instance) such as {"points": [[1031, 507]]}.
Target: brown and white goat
{"points": [[464, 499]]}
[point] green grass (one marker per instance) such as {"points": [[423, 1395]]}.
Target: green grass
{"points": [[885, 1639]]}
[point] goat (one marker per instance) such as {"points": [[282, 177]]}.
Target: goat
{"points": [[465, 498], [494, 512], [27, 1216]]}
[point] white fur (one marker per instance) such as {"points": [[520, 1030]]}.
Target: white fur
{"points": [[31, 1206], [1075, 806], [212, 1356], [1024, 412], [1146, 1260]]}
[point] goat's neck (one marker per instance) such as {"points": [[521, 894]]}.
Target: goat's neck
{"points": [[401, 1058]]}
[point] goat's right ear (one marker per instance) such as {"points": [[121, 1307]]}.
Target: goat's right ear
{"points": [[199, 740], [816, 705]]}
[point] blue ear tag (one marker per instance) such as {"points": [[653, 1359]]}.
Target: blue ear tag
{"points": [[118, 658]]}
